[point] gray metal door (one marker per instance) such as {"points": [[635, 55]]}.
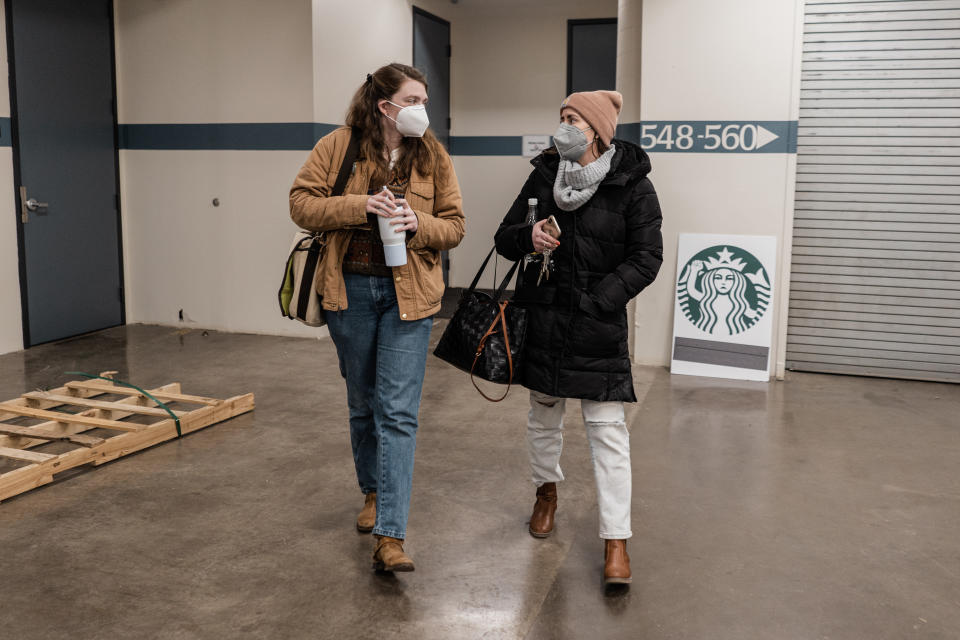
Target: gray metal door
{"points": [[431, 54], [65, 166], [875, 284]]}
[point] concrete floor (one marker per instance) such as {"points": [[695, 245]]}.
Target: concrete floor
{"points": [[820, 507]]}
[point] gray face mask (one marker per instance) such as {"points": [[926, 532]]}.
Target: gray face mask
{"points": [[570, 142]]}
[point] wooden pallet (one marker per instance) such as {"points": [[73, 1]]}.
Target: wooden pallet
{"points": [[137, 423]]}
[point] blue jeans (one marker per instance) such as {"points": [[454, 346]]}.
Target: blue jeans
{"points": [[382, 358]]}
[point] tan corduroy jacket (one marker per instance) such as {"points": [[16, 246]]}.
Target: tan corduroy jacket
{"points": [[435, 199]]}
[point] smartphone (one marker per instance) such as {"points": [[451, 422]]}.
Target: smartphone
{"points": [[551, 228]]}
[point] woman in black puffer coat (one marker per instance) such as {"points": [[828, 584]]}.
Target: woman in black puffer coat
{"points": [[610, 249]]}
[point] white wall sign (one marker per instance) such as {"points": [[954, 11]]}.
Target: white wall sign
{"points": [[533, 145], [723, 323]]}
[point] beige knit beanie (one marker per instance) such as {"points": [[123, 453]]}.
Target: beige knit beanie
{"points": [[599, 108]]}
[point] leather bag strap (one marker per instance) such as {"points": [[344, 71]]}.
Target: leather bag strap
{"points": [[353, 150], [501, 317]]}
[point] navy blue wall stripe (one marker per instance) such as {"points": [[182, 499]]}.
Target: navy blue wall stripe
{"points": [[486, 145], [259, 136], [6, 138], [662, 136]]}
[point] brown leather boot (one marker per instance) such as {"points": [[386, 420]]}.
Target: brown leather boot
{"points": [[616, 563], [541, 521], [368, 515], [388, 555]]}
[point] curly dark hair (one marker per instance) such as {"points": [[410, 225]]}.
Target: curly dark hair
{"points": [[364, 115]]}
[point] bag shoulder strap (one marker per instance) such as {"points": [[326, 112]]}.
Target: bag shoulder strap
{"points": [[353, 150], [503, 283], [483, 266]]}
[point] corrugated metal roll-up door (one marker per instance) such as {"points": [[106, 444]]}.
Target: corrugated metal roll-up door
{"points": [[875, 285]]}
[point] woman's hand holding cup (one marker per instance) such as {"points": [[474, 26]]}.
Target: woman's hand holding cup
{"points": [[408, 220], [382, 204]]}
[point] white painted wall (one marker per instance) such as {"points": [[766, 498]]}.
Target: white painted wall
{"points": [[716, 61], [210, 61], [221, 265], [11, 324], [194, 61], [350, 40]]}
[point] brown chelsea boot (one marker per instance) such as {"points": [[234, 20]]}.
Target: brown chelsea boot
{"points": [[541, 521], [616, 563]]}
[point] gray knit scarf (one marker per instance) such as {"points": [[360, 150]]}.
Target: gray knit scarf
{"points": [[576, 184]]}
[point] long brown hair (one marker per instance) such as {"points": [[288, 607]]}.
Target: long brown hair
{"points": [[364, 115]]}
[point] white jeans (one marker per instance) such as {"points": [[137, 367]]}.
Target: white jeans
{"points": [[609, 448]]}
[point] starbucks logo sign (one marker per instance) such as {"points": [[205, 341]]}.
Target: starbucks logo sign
{"points": [[723, 290]]}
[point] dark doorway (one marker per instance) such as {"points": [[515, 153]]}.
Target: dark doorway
{"points": [[431, 54], [591, 55], [64, 126]]}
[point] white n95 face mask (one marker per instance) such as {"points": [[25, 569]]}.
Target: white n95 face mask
{"points": [[412, 121]]}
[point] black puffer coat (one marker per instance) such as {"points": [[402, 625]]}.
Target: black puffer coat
{"points": [[610, 249]]}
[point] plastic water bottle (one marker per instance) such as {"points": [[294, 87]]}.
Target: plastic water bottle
{"points": [[531, 220]]}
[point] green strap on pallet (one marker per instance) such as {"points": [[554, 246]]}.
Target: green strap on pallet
{"points": [[162, 405]]}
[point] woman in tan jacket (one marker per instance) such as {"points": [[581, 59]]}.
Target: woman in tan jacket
{"points": [[380, 316]]}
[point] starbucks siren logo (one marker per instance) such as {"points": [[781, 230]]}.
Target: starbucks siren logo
{"points": [[723, 290]]}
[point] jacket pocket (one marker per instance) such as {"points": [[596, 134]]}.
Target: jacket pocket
{"points": [[420, 196], [589, 307], [430, 256], [430, 275]]}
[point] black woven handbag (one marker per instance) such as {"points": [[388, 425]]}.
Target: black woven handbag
{"points": [[485, 336]]}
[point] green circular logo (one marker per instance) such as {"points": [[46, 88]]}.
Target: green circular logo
{"points": [[723, 290]]}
